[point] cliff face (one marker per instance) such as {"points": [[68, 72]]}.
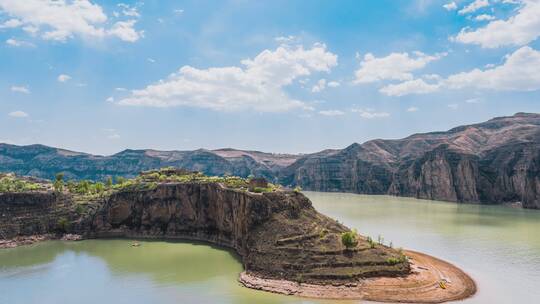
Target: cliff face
{"points": [[277, 234], [490, 162]]}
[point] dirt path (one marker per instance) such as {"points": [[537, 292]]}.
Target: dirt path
{"points": [[422, 286]]}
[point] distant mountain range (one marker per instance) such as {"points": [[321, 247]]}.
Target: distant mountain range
{"points": [[493, 162]]}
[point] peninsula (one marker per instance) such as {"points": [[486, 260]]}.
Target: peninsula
{"points": [[285, 245]]}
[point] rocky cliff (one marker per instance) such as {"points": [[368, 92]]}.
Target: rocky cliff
{"points": [[491, 162], [278, 234]]}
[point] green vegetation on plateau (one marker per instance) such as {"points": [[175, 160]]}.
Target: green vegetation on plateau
{"points": [[146, 180], [11, 183]]}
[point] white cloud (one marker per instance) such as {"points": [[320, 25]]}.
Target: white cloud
{"points": [[473, 7], [18, 114], [256, 85], [333, 84], [18, 43], [20, 89], [412, 109], [11, 23], [415, 86], [519, 72], [61, 20], [332, 113], [451, 6], [109, 99], [453, 106], [319, 86], [178, 11], [285, 39], [125, 31], [63, 78], [151, 60], [370, 113], [517, 30], [484, 17], [396, 66]]}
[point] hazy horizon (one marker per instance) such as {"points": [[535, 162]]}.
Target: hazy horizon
{"points": [[234, 148]]}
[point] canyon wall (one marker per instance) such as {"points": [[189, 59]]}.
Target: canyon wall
{"points": [[491, 162]]}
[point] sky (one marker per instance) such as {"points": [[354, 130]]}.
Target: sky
{"points": [[285, 76]]}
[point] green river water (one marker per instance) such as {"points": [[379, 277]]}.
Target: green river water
{"points": [[498, 246]]}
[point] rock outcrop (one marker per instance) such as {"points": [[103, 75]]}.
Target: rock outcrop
{"points": [[492, 162]]}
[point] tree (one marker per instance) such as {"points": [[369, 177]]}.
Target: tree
{"points": [[59, 182], [349, 239]]}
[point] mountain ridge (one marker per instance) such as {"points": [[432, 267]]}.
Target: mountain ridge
{"points": [[496, 161]]}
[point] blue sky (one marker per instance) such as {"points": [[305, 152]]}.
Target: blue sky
{"points": [[277, 76]]}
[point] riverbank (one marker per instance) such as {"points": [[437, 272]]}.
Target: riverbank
{"points": [[431, 281]]}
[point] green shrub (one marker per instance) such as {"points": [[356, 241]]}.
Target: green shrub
{"points": [[393, 261], [349, 239], [297, 189]]}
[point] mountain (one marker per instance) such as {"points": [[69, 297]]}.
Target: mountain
{"points": [[492, 162], [497, 161], [46, 162]]}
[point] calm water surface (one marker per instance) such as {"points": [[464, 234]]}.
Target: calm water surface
{"points": [[498, 246]]}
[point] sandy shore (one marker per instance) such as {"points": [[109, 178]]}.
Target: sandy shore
{"points": [[423, 285]]}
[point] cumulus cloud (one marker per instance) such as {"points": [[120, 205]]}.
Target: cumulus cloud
{"points": [[20, 89], [18, 114], [473, 7], [451, 6], [415, 86], [63, 78], [370, 113], [519, 72], [332, 113], [61, 20], [396, 66], [412, 109], [319, 86], [258, 84], [517, 30]]}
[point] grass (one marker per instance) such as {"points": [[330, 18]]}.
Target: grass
{"points": [[145, 181]]}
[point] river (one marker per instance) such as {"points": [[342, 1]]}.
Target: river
{"points": [[498, 246]]}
